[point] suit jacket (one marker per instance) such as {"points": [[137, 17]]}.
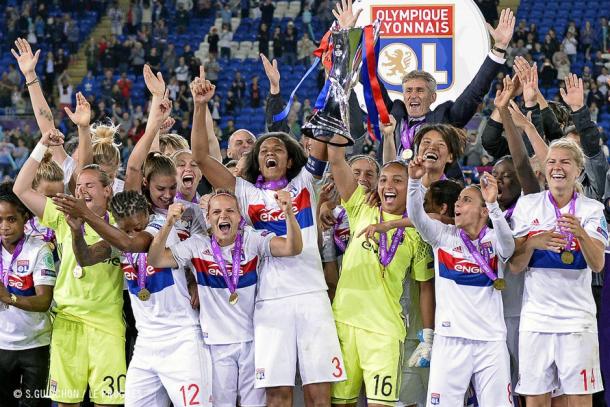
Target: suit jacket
{"points": [[457, 113]]}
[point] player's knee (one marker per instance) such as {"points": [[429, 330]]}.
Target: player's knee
{"points": [[279, 396]]}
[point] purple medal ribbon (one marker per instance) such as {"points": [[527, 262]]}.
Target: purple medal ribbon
{"points": [[16, 253], [49, 236], [482, 260], [141, 268], [273, 185], [179, 195], [340, 243], [572, 210], [233, 279], [407, 133], [509, 212], [106, 219], [385, 255]]}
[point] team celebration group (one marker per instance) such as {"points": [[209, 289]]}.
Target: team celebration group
{"points": [[352, 274]]}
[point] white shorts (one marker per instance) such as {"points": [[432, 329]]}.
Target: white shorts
{"points": [[414, 383], [233, 374], [294, 328], [173, 370], [512, 343], [456, 360], [548, 361]]}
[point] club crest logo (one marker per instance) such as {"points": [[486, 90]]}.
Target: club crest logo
{"points": [[426, 35]]}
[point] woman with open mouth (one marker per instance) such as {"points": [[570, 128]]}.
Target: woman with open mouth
{"points": [[376, 273], [226, 265], [188, 176], [470, 334], [560, 240], [293, 313]]}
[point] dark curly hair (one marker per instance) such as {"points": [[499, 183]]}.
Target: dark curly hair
{"points": [[454, 138], [128, 203], [7, 195], [295, 153]]}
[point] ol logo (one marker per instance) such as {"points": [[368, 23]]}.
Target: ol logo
{"points": [[447, 38], [260, 374]]}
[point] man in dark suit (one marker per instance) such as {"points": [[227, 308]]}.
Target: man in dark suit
{"points": [[419, 92]]}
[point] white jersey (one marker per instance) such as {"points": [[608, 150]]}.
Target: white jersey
{"points": [[33, 267], [117, 186], [286, 276], [168, 310], [557, 296], [467, 305], [223, 323]]}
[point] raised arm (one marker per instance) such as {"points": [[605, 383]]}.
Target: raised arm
{"points": [[515, 142], [429, 229], [200, 109], [34, 200], [292, 244], [389, 146], [212, 169], [342, 173], [160, 109], [82, 119], [504, 235], [86, 255], [158, 255], [77, 208], [44, 117]]}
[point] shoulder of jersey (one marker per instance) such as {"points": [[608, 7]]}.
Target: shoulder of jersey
{"points": [[592, 203], [33, 242]]}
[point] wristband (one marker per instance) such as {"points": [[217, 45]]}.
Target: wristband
{"points": [[33, 81], [315, 166], [499, 50], [38, 152]]}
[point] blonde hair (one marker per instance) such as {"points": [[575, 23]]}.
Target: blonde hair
{"points": [[566, 144], [105, 150], [48, 171], [173, 140], [575, 151], [178, 153]]}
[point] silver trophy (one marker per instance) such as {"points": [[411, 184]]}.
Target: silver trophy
{"points": [[344, 74]]}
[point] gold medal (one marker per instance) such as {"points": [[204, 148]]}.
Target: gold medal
{"points": [[567, 257], [233, 298], [499, 284], [78, 272], [407, 154], [144, 294]]}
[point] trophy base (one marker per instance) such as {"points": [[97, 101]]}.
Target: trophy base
{"points": [[322, 127]]}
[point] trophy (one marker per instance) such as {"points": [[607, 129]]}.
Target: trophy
{"points": [[333, 118]]}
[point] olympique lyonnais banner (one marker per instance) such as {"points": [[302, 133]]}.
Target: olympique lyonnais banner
{"points": [[446, 38]]}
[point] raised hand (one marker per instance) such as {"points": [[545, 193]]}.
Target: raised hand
{"points": [[387, 129], [24, 56], [416, 168], [284, 201], [174, 212], [167, 125], [52, 138], [345, 14], [503, 33], [530, 86], [70, 205], [202, 91], [503, 96], [82, 114], [273, 74], [573, 95], [489, 188], [154, 83], [520, 120]]}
